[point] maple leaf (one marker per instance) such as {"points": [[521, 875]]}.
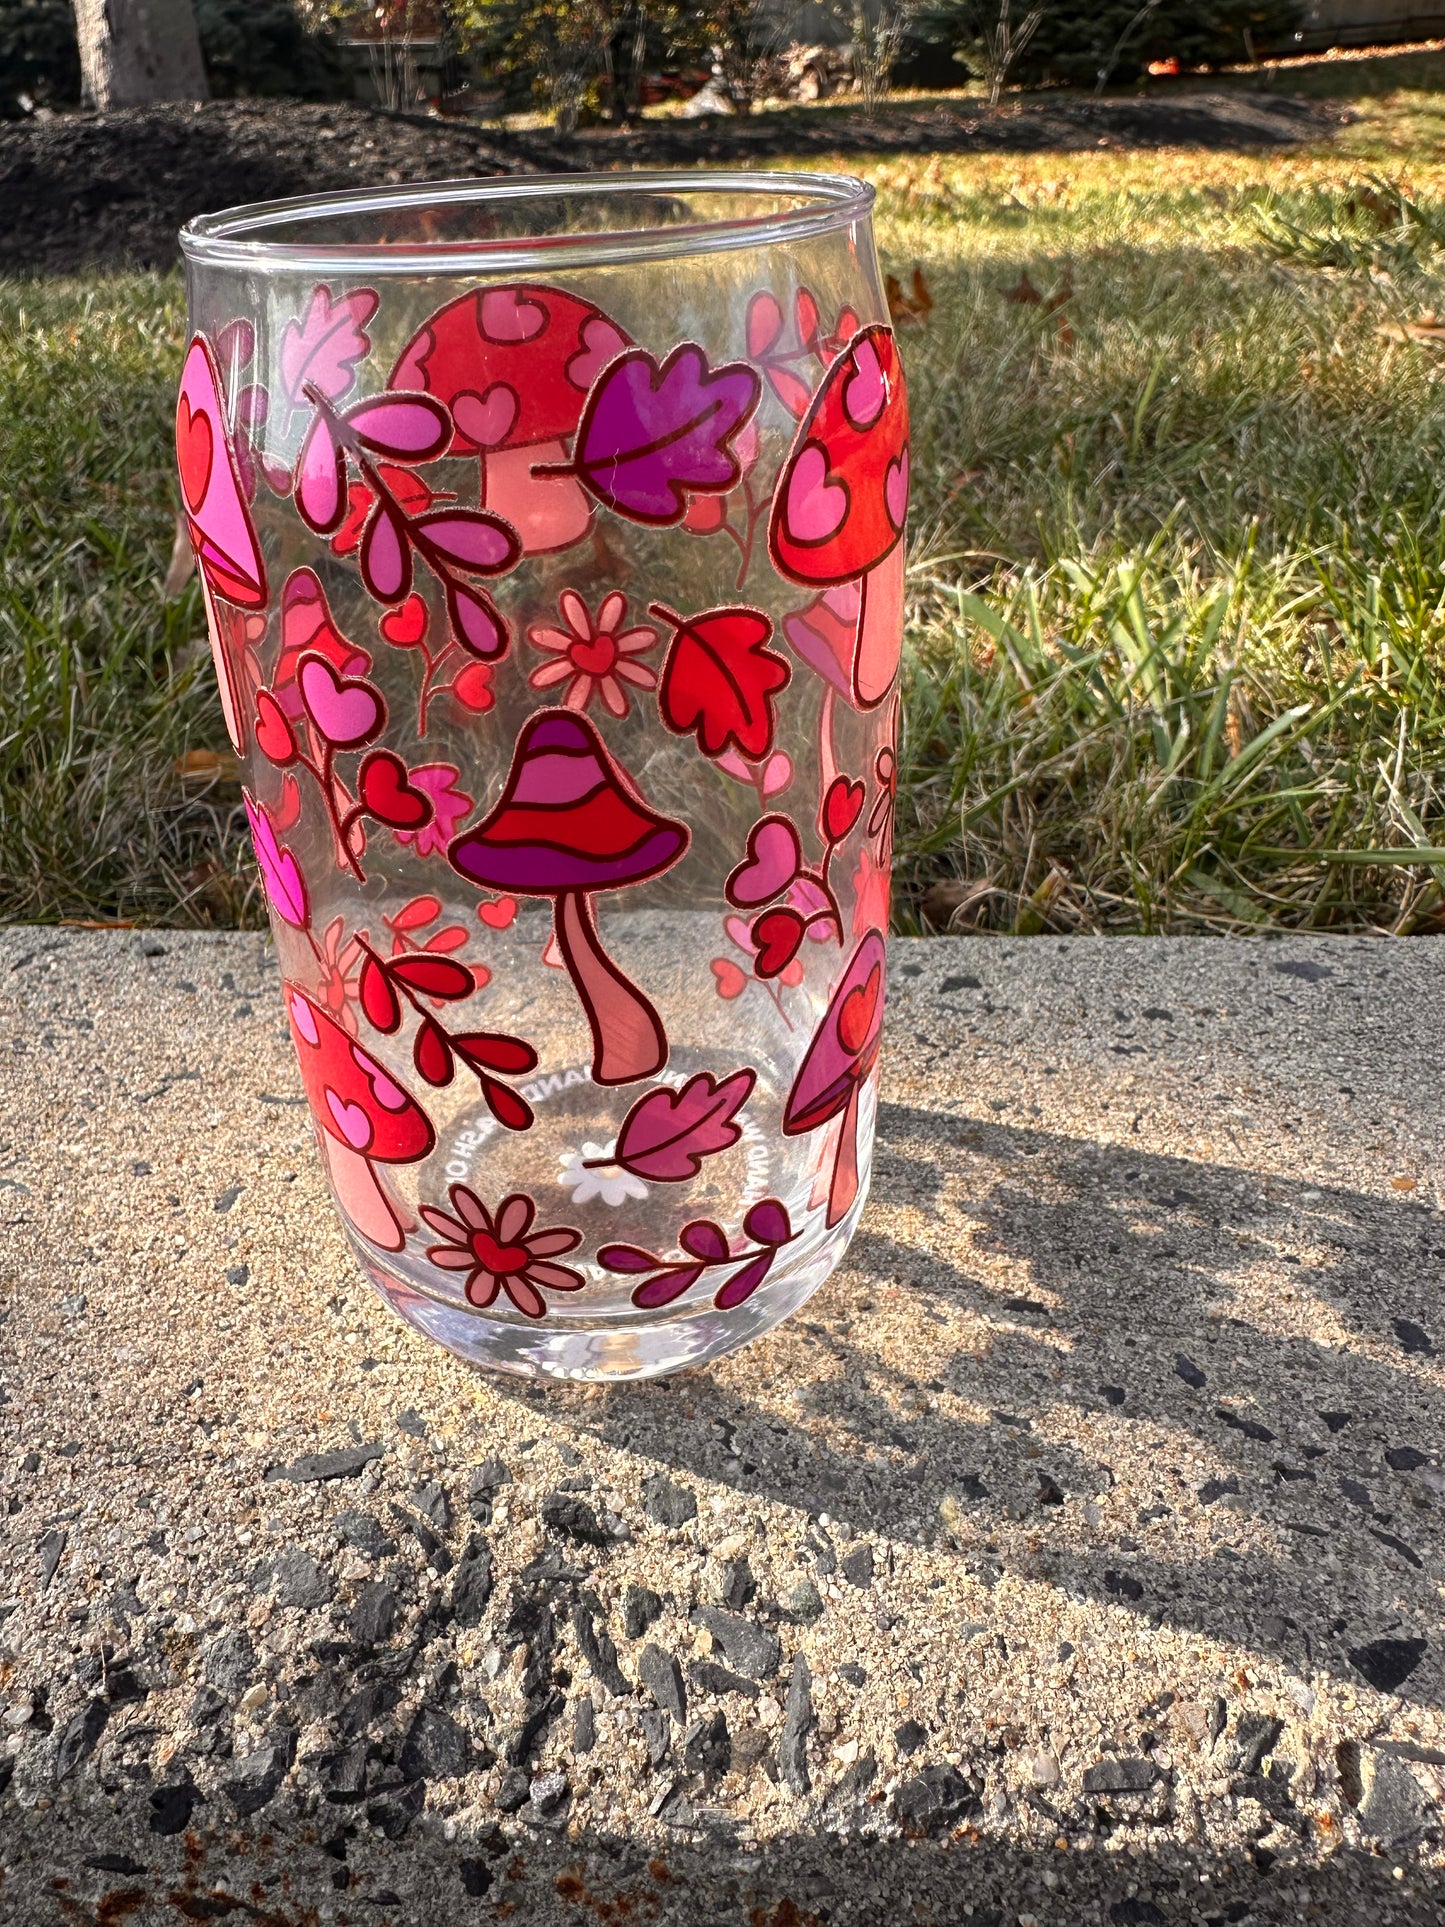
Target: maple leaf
{"points": [[325, 348], [667, 1133], [652, 433], [719, 679]]}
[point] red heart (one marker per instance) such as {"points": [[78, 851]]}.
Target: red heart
{"points": [[499, 1258], [387, 795], [193, 452], [841, 808], [472, 687], [730, 980], [273, 731], [595, 656], [406, 626], [855, 1013], [777, 934], [499, 914]]}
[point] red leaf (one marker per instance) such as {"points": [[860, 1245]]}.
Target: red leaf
{"points": [[511, 1111], [490, 1050], [667, 1133], [325, 348], [452, 937], [413, 915], [719, 680], [432, 1054], [433, 976], [378, 999], [765, 323]]}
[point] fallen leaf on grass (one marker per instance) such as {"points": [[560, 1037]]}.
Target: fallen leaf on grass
{"points": [[199, 766], [1023, 294], [1430, 327], [909, 310]]}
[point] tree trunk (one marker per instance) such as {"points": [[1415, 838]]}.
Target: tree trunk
{"points": [[136, 51]]}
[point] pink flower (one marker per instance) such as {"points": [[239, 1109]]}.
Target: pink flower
{"points": [[497, 1254], [340, 973], [449, 806], [593, 660]]}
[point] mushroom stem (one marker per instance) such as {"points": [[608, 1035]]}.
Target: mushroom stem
{"points": [[628, 1041], [844, 1187]]}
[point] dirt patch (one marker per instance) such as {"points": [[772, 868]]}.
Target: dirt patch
{"points": [[110, 190]]}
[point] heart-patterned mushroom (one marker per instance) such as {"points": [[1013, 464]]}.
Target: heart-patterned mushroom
{"points": [[514, 365], [838, 1063], [217, 519]]}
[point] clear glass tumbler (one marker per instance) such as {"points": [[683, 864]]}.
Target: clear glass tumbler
{"points": [[551, 537]]}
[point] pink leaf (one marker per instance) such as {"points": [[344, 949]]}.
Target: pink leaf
{"points": [[409, 428], [667, 1133], [325, 348], [385, 554], [480, 543], [476, 622], [745, 1282], [666, 1285], [321, 479]]}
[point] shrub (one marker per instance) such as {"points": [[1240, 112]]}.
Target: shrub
{"points": [[39, 62], [262, 47]]}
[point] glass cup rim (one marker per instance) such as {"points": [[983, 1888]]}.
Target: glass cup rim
{"points": [[235, 237]]}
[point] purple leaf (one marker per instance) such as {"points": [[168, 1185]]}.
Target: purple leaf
{"points": [[480, 543], [321, 479], [745, 1281], [705, 1240], [666, 1134], [666, 1286], [385, 555], [650, 435], [768, 1223], [408, 428], [325, 348], [627, 1258], [476, 622]]}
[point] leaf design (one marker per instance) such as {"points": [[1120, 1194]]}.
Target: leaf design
{"points": [[706, 1244], [325, 348], [433, 976], [667, 1133], [719, 679], [651, 434]]}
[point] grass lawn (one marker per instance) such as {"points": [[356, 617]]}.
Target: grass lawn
{"points": [[1178, 569]]}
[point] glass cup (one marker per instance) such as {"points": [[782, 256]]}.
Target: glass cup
{"points": [[551, 539]]}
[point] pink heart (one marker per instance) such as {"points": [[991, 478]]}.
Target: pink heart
{"points": [[486, 419], [304, 1020], [816, 508], [895, 489], [350, 1119], [507, 316], [741, 933], [864, 393], [390, 1096], [345, 712], [601, 343], [773, 860]]}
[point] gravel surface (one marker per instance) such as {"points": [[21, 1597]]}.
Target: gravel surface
{"points": [[1073, 1557], [111, 190]]}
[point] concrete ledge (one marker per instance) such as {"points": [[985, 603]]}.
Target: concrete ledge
{"points": [[1096, 1502]]}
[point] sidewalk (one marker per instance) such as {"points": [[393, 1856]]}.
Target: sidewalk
{"points": [[1075, 1556]]}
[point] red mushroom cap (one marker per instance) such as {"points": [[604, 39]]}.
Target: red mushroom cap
{"points": [[842, 497], [353, 1098], [567, 820], [845, 1047], [513, 364]]}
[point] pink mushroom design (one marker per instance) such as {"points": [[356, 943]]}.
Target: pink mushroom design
{"points": [[839, 1062], [569, 823], [513, 364]]}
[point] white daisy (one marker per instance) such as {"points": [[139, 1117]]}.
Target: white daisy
{"points": [[610, 1183]]}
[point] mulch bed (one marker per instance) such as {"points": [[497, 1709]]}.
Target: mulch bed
{"points": [[110, 190]]}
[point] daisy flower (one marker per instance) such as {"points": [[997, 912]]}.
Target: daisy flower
{"points": [[614, 1185], [498, 1254], [593, 658]]}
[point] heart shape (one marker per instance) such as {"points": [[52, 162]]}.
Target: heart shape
{"points": [[730, 980], [855, 1013], [602, 342], [499, 914], [472, 687], [388, 1094], [507, 316], [865, 391], [346, 711], [816, 504], [194, 447], [777, 934], [595, 656], [274, 737], [351, 1121], [486, 419], [895, 489], [505, 1260], [303, 1018], [387, 795], [842, 807], [773, 860], [406, 626]]}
